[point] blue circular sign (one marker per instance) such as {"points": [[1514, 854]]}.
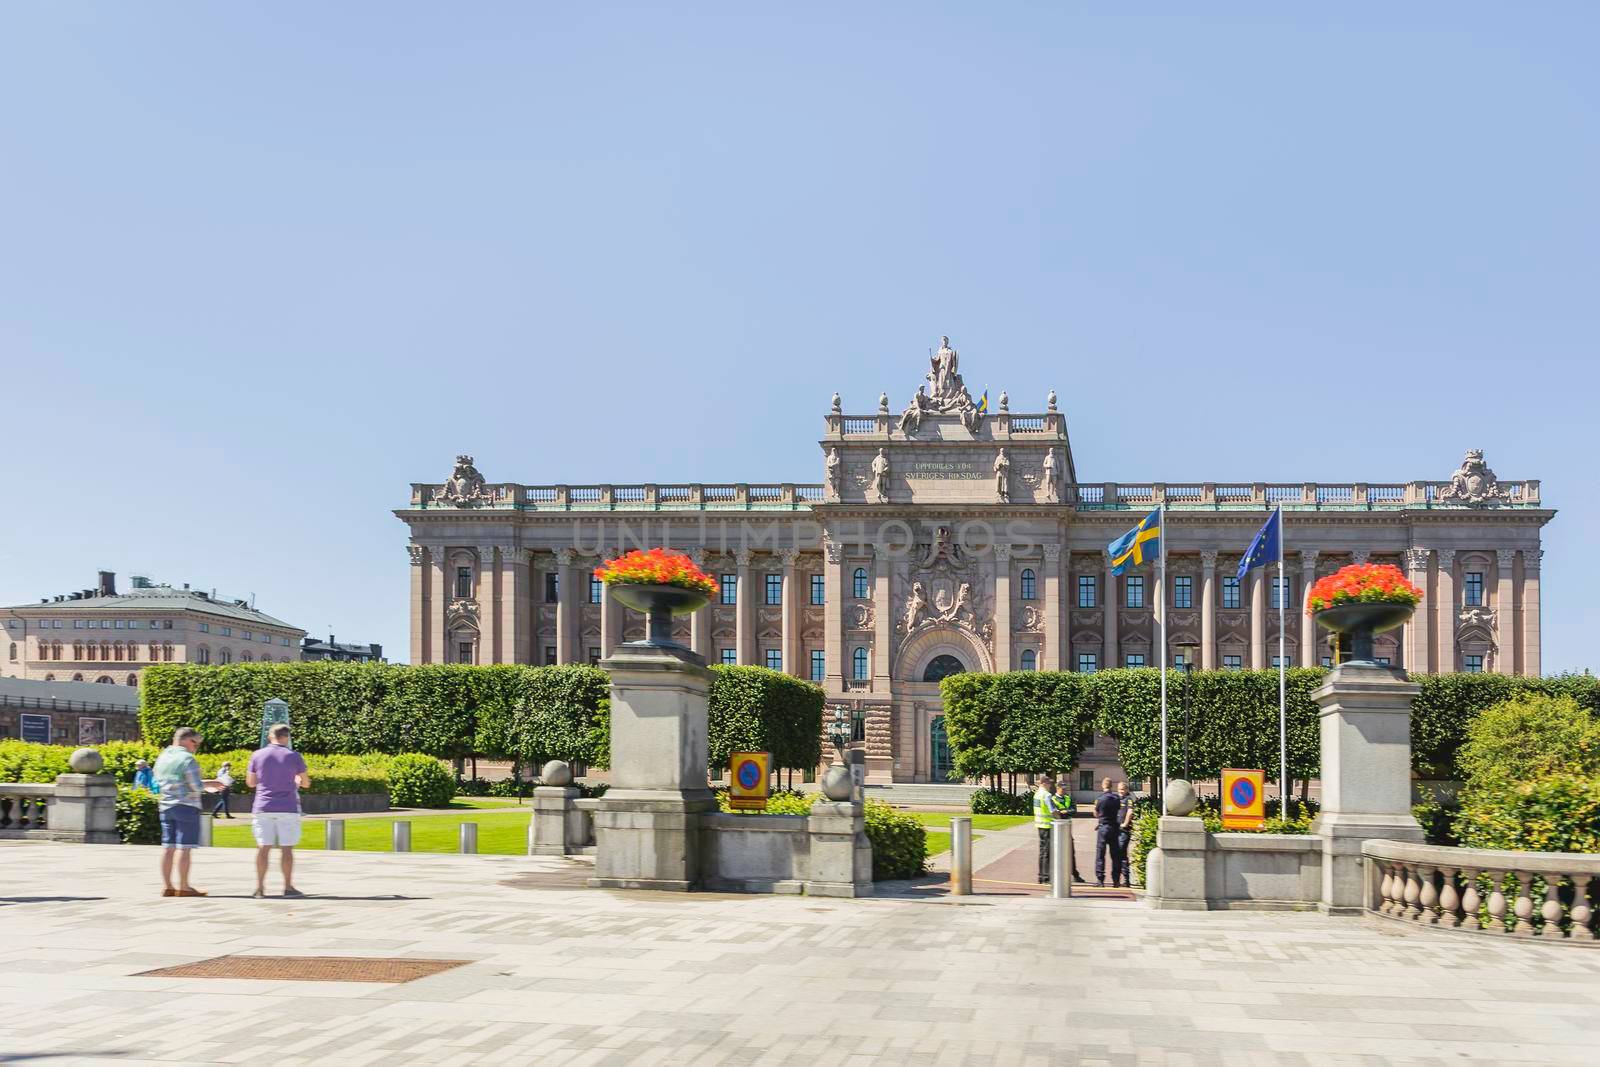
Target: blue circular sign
{"points": [[1243, 793], [749, 774]]}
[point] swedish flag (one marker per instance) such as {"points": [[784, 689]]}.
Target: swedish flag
{"points": [[1138, 545], [983, 403]]}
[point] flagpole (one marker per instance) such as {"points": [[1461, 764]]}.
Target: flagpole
{"points": [[1162, 607], [1283, 713]]}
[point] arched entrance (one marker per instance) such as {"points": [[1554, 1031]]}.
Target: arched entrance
{"points": [[927, 657], [941, 667]]}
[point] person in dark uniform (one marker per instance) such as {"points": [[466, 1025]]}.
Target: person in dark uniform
{"points": [[1107, 817], [1125, 834]]}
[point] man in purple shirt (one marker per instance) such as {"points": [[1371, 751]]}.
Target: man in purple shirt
{"points": [[277, 773]]}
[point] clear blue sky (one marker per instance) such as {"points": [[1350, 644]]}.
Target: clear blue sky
{"points": [[265, 264]]}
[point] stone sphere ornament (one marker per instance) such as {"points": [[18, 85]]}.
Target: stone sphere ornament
{"points": [[1181, 798], [838, 783], [86, 761], [556, 772]]}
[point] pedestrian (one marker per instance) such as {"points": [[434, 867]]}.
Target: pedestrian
{"points": [[143, 777], [224, 780], [277, 773], [1064, 810], [1125, 833], [1107, 810], [1044, 817], [177, 773]]}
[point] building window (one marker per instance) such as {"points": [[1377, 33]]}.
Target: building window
{"points": [[244, 635], [1085, 779], [1474, 589], [201, 654], [549, 655], [594, 656], [463, 582], [774, 659], [1382, 661], [77, 650], [730, 589], [1233, 663], [13, 652], [1029, 660], [774, 585], [244, 657], [1280, 592], [463, 651], [858, 662], [1133, 659], [205, 627], [1027, 584], [77, 624], [552, 587], [1178, 660], [1287, 661], [1086, 590], [858, 724], [1230, 592], [819, 589], [1183, 591], [104, 679], [1088, 662], [226, 656], [1472, 664], [597, 590], [819, 665], [1135, 597], [730, 657], [227, 631], [858, 584]]}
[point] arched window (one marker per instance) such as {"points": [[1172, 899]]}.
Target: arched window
{"points": [[202, 655], [116, 651], [77, 677], [244, 657], [55, 650], [941, 668], [858, 664], [93, 651], [133, 679], [226, 656], [105, 651], [13, 652], [104, 679], [859, 584], [77, 650], [166, 652], [1027, 584], [49, 677], [1030, 660]]}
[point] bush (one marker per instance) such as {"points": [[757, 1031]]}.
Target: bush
{"points": [[899, 843], [753, 709], [1557, 813], [138, 817], [1449, 703], [418, 781], [781, 802], [329, 774], [510, 787], [472, 787], [999, 802], [1437, 822], [1530, 736]]}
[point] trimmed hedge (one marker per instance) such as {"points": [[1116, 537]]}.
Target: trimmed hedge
{"points": [[1029, 721], [138, 816], [23, 761], [754, 709]]}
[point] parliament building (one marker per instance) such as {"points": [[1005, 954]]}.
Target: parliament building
{"points": [[954, 535]]}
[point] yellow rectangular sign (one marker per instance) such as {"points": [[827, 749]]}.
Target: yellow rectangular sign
{"points": [[1243, 799], [749, 779]]}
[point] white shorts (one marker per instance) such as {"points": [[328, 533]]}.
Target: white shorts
{"points": [[275, 829]]}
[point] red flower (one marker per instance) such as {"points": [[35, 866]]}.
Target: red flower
{"points": [[658, 566], [1367, 583]]}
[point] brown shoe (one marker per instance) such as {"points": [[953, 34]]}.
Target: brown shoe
{"points": [[191, 891], [169, 892]]}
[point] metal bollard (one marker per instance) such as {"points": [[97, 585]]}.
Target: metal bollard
{"points": [[469, 838], [402, 835], [206, 826], [1061, 859], [961, 856], [333, 831]]}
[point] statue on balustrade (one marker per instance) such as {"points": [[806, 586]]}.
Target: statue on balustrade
{"points": [[880, 477], [465, 488], [1473, 483]]}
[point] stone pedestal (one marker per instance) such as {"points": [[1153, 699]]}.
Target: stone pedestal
{"points": [[840, 860], [85, 809], [1366, 774], [1175, 872], [551, 832], [647, 825]]}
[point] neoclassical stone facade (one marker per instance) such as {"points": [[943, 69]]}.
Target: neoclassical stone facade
{"points": [[946, 537]]}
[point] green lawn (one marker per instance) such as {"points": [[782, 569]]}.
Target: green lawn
{"points": [[487, 803], [933, 820], [503, 833], [937, 842]]}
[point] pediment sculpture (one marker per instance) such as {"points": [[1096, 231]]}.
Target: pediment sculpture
{"points": [[461, 614], [1473, 483], [465, 489], [943, 394]]}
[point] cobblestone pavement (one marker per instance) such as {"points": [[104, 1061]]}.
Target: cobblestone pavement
{"points": [[561, 974]]}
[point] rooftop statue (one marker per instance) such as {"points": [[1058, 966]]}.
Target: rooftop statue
{"points": [[465, 488], [944, 394], [1473, 483]]}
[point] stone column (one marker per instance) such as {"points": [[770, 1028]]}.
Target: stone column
{"points": [[1002, 608], [1506, 660], [1208, 609], [700, 621], [1366, 774], [647, 826], [612, 612], [1055, 633], [1531, 657], [488, 607], [1445, 607], [833, 614], [744, 609], [1108, 601], [516, 607], [419, 604], [882, 621], [567, 601], [1258, 617], [792, 597], [439, 582], [1418, 647], [1308, 627]]}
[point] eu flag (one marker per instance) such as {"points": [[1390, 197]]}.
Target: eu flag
{"points": [[1139, 544], [1265, 548]]}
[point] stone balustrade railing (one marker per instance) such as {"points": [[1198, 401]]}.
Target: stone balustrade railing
{"points": [[1085, 496], [25, 807], [1547, 895]]}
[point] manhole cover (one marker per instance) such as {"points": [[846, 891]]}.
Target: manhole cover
{"points": [[307, 969]]}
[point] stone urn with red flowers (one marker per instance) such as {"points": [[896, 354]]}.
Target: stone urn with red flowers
{"points": [[1360, 601], [660, 583]]}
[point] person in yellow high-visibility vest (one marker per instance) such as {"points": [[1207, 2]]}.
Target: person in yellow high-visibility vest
{"points": [[1044, 817]]}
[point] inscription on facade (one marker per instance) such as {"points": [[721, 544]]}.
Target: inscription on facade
{"points": [[964, 471]]}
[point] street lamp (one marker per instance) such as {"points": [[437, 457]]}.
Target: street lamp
{"points": [[839, 731], [1187, 652]]}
